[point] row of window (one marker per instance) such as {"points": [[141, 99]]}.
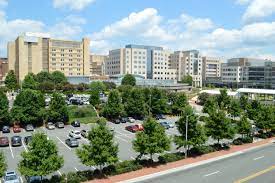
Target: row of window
{"points": [[63, 50], [70, 59], [70, 69], [63, 55], [62, 64]]}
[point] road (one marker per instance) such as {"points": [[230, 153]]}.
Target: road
{"points": [[250, 167]]}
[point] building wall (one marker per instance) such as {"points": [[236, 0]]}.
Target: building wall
{"points": [[3, 68], [33, 53], [114, 63], [97, 64], [211, 68]]}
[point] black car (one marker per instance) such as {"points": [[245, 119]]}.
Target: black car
{"points": [[159, 116], [124, 120], [27, 139], [75, 123], [6, 129], [84, 133], [16, 141]]}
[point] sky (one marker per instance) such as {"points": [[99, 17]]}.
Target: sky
{"points": [[221, 28]]}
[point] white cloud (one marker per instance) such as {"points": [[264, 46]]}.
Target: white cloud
{"points": [[258, 9], [243, 2], [3, 3], [72, 4]]}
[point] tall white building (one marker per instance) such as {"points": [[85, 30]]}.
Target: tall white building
{"points": [[188, 63], [211, 69]]}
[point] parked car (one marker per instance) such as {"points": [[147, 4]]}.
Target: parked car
{"points": [[159, 116], [75, 134], [75, 123], [132, 128], [34, 179], [84, 133], [29, 127], [50, 126], [16, 141], [112, 129], [4, 141], [72, 142], [16, 129], [116, 121], [11, 177], [59, 124], [140, 127], [6, 129], [131, 120], [27, 139], [124, 120], [165, 125]]}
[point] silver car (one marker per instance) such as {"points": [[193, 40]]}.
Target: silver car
{"points": [[11, 177], [72, 142]]}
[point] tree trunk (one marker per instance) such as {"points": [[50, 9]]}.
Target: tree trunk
{"points": [[218, 141]]}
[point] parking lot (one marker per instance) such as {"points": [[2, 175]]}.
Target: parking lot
{"points": [[71, 162]]}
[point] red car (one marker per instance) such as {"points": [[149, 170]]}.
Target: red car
{"points": [[134, 128], [4, 141], [16, 129]]}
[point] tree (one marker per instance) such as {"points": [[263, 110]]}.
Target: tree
{"points": [[243, 126], [94, 98], [129, 79], [58, 110], [265, 118], [202, 98], [125, 92], [135, 105], [113, 108], [4, 108], [44, 76], [27, 106], [244, 102], [218, 126], [223, 99], [97, 85], [29, 82], [152, 140], [58, 77], [41, 158], [46, 86], [210, 105], [234, 108], [3, 164], [187, 79], [109, 85], [11, 81], [101, 149], [195, 132], [179, 103], [82, 87], [158, 101], [253, 109]]}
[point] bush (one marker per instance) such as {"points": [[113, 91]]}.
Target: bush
{"points": [[81, 112], [127, 166], [170, 157], [200, 150], [247, 140], [108, 170], [73, 177], [219, 147], [261, 135]]}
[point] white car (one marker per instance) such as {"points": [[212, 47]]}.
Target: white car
{"points": [[50, 126], [131, 120], [75, 134]]}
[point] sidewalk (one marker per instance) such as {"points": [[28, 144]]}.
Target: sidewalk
{"points": [[177, 164]]}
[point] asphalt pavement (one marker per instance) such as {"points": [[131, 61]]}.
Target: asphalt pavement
{"points": [[255, 166]]}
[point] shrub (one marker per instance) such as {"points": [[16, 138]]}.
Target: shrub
{"points": [[73, 177], [170, 157], [238, 141], [127, 166], [200, 150], [247, 140], [108, 170], [261, 135]]}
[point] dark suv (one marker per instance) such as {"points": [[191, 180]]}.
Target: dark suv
{"points": [[16, 141], [75, 123], [6, 129]]}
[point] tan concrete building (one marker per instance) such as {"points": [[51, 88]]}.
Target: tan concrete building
{"points": [[36, 52], [188, 63], [97, 65], [3, 68], [211, 68]]}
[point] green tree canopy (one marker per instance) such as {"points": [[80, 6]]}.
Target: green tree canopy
{"points": [[58, 77], [265, 118], [44, 76], [4, 108], [29, 82], [58, 110], [253, 109], [195, 132], [210, 105], [135, 105], [101, 149], [125, 91], [11, 81], [113, 108], [46, 86], [243, 126], [218, 126], [27, 106], [129, 79], [94, 98], [3, 164], [42, 157], [187, 79], [244, 102], [203, 97], [158, 101], [234, 108], [98, 85], [223, 99], [179, 103], [152, 140]]}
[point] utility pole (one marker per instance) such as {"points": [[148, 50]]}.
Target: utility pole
{"points": [[186, 135]]}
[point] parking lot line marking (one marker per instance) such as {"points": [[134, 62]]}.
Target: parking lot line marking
{"points": [[133, 158], [25, 147], [63, 143], [121, 139], [59, 172], [258, 158], [11, 152], [21, 179], [124, 135], [213, 173], [76, 169]]}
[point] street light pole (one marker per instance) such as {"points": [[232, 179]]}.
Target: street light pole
{"points": [[186, 134]]}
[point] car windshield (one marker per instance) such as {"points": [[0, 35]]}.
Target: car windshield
{"points": [[11, 177], [77, 133]]}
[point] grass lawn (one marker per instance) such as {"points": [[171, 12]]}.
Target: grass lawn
{"points": [[85, 114]]}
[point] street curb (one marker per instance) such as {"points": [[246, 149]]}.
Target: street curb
{"points": [[192, 165]]}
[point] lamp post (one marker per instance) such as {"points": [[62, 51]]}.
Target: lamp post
{"points": [[186, 136]]}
